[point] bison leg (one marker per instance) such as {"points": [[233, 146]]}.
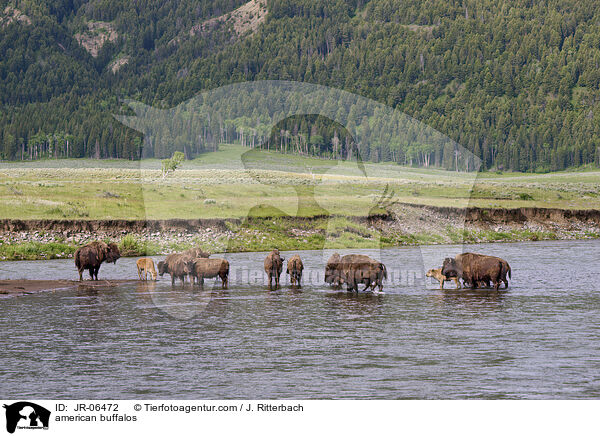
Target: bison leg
{"points": [[224, 279], [352, 285], [457, 282], [80, 275]]}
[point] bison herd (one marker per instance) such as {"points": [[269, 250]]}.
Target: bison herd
{"points": [[352, 270]]}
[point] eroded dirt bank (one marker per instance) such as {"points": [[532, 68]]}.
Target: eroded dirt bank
{"points": [[473, 216]]}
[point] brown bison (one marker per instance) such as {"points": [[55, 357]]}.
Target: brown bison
{"points": [[476, 269], [176, 265], [202, 268], [92, 255], [196, 252], [273, 265], [437, 274], [357, 268], [294, 269], [332, 270], [506, 271], [145, 266]]}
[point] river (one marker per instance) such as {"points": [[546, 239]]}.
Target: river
{"points": [[539, 339]]}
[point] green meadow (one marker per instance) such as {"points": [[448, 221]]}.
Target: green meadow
{"points": [[235, 181]]}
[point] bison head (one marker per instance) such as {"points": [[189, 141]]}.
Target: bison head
{"points": [[162, 268], [190, 266], [113, 253], [332, 274], [329, 276], [450, 268]]}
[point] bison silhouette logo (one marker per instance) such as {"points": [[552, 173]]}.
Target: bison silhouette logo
{"points": [[24, 414]]}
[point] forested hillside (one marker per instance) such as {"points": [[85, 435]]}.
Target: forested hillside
{"points": [[517, 83]]}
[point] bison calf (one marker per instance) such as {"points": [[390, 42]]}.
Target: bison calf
{"points": [[145, 266], [437, 274], [294, 269]]}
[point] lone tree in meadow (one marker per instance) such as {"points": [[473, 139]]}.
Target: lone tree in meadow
{"points": [[170, 165]]}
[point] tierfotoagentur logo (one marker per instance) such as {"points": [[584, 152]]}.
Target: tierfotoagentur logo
{"points": [[24, 415]]}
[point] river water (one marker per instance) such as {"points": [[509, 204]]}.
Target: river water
{"points": [[538, 339]]}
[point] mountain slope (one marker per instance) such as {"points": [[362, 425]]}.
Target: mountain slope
{"points": [[515, 83]]}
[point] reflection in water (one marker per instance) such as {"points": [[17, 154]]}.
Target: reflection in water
{"points": [[534, 340], [347, 304], [471, 298]]}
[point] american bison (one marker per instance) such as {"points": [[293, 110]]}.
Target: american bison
{"points": [[294, 269], [475, 269], [506, 271], [176, 265], [202, 268], [437, 274], [92, 255], [357, 268], [196, 252], [145, 266], [273, 265], [332, 270]]}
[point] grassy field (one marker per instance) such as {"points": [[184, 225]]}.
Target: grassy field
{"points": [[235, 182], [276, 191]]}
